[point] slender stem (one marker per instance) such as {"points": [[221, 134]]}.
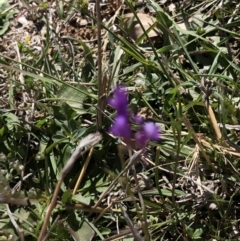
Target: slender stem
{"points": [[50, 209], [144, 218], [84, 168], [100, 88]]}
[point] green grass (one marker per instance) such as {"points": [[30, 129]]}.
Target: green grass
{"points": [[52, 99]]}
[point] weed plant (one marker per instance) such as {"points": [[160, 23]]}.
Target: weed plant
{"points": [[167, 171]]}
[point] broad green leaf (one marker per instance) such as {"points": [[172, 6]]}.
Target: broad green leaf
{"points": [[73, 97], [197, 233], [79, 198], [85, 233], [68, 111]]}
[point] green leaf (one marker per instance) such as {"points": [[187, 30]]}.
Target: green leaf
{"points": [[164, 192], [87, 52], [59, 137], [73, 97], [2, 130], [116, 64], [50, 148], [11, 118], [73, 125], [5, 15], [79, 198], [66, 130], [12, 121], [41, 122], [68, 111], [197, 233], [67, 196], [85, 233], [4, 27]]}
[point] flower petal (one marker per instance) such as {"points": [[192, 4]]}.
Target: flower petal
{"points": [[138, 119], [151, 131], [119, 100], [121, 127], [140, 138]]}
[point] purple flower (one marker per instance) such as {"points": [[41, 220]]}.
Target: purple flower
{"points": [[119, 101], [148, 132], [151, 131], [121, 127], [138, 119]]}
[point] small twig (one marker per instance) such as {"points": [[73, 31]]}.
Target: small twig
{"points": [[49, 231], [213, 119], [131, 226], [87, 208], [230, 127], [207, 90], [190, 129], [144, 218], [19, 231], [84, 168], [103, 211], [133, 159], [10, 8], [121, 236], [87, 142], [20, 182], [195, 165]]}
